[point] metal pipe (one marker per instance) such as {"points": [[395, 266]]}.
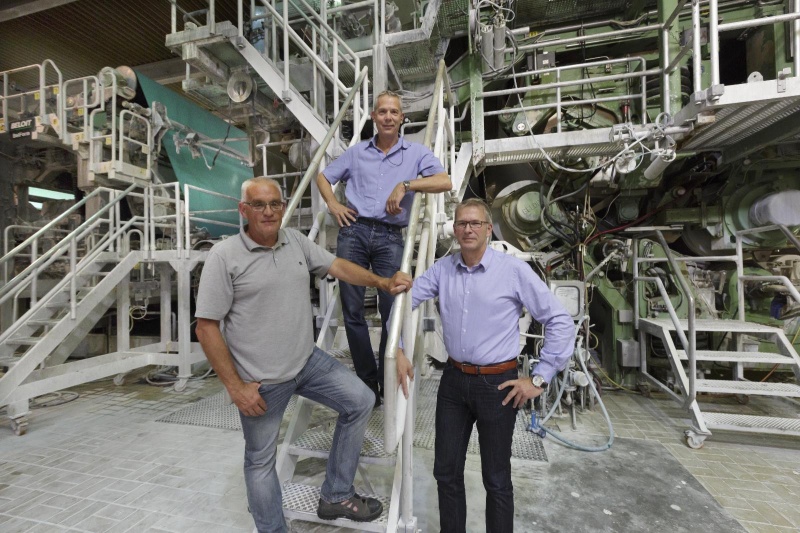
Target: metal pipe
{"points": [[350, 7], [73, 282], [584, 38], [696, 53], [570, 83], [287, 85], [240, 17], [675, 13], [783, 279], [796, 40], [752, 23], [713, 40], [187, 221], [665, 92], [635, 285]]}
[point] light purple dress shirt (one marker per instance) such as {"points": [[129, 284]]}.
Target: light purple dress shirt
{"points": [[371, 176], [481, 306]]}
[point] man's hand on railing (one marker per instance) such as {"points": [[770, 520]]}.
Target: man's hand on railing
{"points": [[404, 368], [400, 282], [393, 203], [343, 214]]}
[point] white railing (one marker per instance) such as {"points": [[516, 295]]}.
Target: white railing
{"points": [[20, 101], [636, 66]]}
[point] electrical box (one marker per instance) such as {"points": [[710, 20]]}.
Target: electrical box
{"points": [[628, 350], [570, 294]]}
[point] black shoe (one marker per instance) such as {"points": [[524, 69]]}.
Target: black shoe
{"points": [[358, 508], [373, 386]]}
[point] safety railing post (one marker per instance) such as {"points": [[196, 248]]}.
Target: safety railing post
{"points": [[713, 40]]}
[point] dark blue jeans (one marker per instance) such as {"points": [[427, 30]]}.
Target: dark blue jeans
{"points": [[464, 400], [368, 244]]}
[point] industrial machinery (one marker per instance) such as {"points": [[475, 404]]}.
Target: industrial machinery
{"points": [[640, 155]]}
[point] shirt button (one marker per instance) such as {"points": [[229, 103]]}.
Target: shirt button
{"points": [[465, 310], [463, 331]]}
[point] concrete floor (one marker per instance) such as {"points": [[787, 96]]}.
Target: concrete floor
{"points": [[101, 463]]}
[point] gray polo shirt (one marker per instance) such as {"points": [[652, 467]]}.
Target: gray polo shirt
{"points": [[262, 296]]}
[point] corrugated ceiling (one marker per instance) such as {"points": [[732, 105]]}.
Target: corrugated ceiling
{"points": [[83, 36]]}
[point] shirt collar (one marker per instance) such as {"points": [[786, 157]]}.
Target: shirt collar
{"points": [[401, 143], [485, 261], [253, 246]]}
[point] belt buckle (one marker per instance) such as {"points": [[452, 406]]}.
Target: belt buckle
{"points": [[470, 365]]}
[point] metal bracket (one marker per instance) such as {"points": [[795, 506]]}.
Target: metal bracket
{"points": [[782, 75]]}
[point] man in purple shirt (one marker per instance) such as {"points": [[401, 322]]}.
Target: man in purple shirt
{"points": [[381, 176], [481, 295]]}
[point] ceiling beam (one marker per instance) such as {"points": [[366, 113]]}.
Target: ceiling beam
{"points": [[22, 8]]}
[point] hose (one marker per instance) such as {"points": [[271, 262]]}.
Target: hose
{"points": [[538, 427]]}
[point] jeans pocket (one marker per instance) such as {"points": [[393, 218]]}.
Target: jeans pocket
{"points": [[395, 237]]}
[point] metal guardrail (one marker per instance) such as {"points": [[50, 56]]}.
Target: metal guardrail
{"points": [[39, 94], [689, 341], [394, 424]]}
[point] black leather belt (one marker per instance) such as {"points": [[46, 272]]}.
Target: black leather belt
{"points": [[375, 222], [477, 370]]}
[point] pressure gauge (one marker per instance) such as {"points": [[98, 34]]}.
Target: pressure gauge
{"points": [[570, 294]]}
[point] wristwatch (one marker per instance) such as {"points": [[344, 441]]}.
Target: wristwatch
{"points": [[538, 381], [407, 185]]}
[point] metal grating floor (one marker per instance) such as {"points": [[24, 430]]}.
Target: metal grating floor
{"points": [[729, 421], [768, 388], [321, 440], [525, 444], [300, 502], [213, 412]]}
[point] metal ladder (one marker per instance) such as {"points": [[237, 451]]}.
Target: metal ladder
{"points": [[683, 360]]}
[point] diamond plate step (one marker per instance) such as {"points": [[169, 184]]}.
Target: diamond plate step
{"points": [[753, 424], [735, 326], [717, 386], [738, 357], [317, 443], [300, 503]]}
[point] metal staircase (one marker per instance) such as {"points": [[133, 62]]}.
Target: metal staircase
{"points": [[683, 361]]}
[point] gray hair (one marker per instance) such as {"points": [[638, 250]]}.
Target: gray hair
{"points": [[390, 94], [475, 202], [259, 180]]}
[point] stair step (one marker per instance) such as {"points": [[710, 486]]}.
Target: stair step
{"points": [[735, 326], [720, 386], [738, 357], [317, 443], [753, 424], [300, 503], [24, 341], [48, 322]]}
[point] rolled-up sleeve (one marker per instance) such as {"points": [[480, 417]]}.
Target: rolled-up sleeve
{"points": [[559, 330]]}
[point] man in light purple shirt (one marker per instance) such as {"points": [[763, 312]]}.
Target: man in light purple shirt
{"points": [[481, 295], [381, 176]]}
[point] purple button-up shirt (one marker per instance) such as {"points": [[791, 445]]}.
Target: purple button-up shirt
{"points": [[371, 176], [481, 306]]}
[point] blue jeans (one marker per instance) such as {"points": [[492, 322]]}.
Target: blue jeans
{"points": [[464, 400], [368, 244], [324, 380]]}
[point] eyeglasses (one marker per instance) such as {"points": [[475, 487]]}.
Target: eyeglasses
{"points": [[276, 207], [474, 224]]}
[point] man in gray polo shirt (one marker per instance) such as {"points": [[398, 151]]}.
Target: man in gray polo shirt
{"points": [[254, 321]]}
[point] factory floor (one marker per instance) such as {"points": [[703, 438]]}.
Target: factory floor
{"points": [[103, 462]]}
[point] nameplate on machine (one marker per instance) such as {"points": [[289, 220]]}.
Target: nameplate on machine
{"points": [[22, 129]]}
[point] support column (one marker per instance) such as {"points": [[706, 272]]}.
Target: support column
{"points": [[670, 85]]}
